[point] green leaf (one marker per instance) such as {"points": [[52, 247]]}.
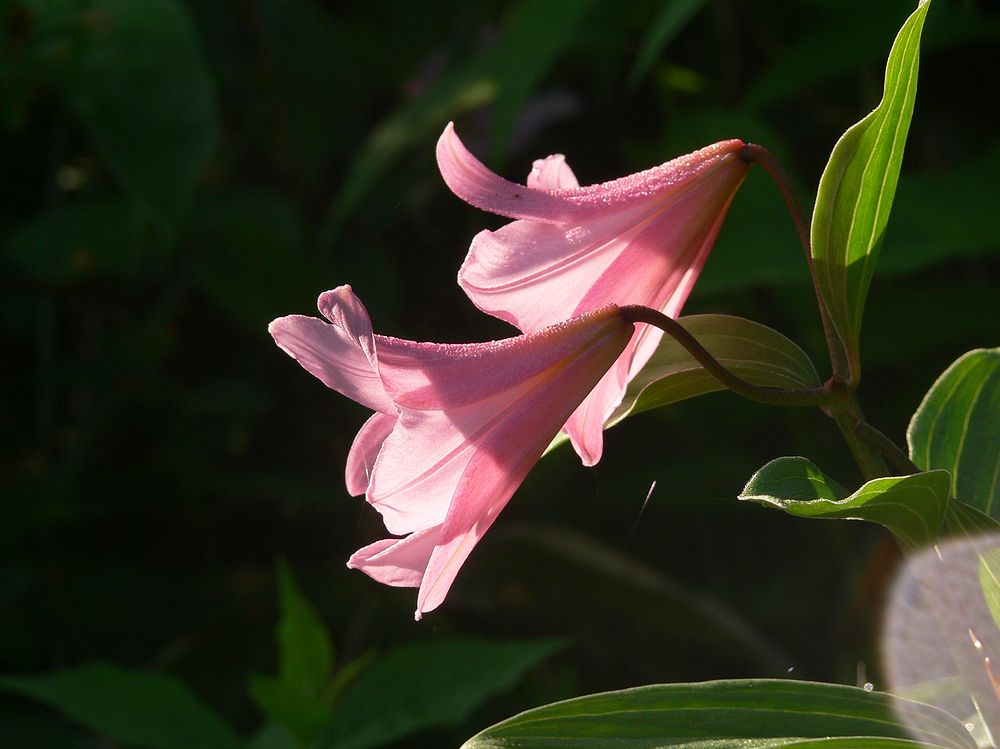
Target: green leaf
{"points": [[759, 713], [422, 685], [296, 697], [535, 36], [989, 581], [248, 256], [75, 241], [912, 507], [957, 427], [673, 17], [753, 351], [857, 188], [135, 76], [132, 707], [820, 55], [960, 519]]}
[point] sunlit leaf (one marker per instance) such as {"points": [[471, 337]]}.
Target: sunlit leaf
{"points": [[753, 351], [428, 684], [857, 188], [989, 581], [912, 507], [296, 697], [139, 708], [762, 714], [957, 427]]}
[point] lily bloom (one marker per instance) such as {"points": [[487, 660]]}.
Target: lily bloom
{"points": [[456, 427], [642, 239]]}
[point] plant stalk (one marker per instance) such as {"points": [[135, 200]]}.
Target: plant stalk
{"points": [[758, 154]]}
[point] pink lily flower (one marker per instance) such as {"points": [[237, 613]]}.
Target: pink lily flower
{"points": [[456, 427], [642, 239]]}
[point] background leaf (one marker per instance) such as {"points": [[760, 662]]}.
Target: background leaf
{"points": [[857, 188], [536, 34], [296, 697], [134, 707], [723, 715], [673, 16], [153, 119], [912, 507], [957, 428], [428, 684]]}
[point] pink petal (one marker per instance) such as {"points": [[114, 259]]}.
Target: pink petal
{"points": [[552, 173], [368, 442], [342, 307], [399, 562], [328, 353], [417, 469], [439, 376], [507, 447], [470, 180], [533, 274]]}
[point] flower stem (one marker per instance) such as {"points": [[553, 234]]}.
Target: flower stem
{"points": [[760, 155], [894, 455], [776, 396], [843, 407]]}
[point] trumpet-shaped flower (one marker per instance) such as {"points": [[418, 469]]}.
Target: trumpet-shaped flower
{"points": [[641, 239], [456, 427]]}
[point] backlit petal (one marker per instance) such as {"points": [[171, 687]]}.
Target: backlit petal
{"points": [[333, 356], [552, 173], [399, 562], [367, 443]]}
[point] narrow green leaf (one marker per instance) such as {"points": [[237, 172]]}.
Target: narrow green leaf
{"points": [[673, 17], [857, 188], [422, 685], [757, 713], [753, 351], [536, 35], [296, 697], [912, 507], [957, 427], [139, 708], [989, 581]]}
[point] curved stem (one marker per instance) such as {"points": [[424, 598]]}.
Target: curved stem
{"points": [[893, 453], [844, 409], [776, 396], [760, 155]]}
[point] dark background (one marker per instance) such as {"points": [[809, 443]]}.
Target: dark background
{"points": [[175, 175]]}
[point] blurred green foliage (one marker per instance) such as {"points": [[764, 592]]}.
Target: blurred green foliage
{"points": [[177, 174]]}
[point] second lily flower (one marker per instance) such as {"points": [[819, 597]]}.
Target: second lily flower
{"points": [[456, 427], [642, 239]]}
